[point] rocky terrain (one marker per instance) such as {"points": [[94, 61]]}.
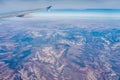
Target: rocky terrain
{"points": [[59, 50]]}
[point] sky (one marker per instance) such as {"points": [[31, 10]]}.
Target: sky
{"points": [[109, 8], [13, 5]]}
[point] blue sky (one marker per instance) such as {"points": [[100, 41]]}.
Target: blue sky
{"points": [[10, 5], [106, 8]]}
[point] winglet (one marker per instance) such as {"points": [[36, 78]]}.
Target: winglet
{"points": [[48, 8]]}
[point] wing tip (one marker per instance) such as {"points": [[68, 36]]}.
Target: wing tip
{"points": [[49, 7]]}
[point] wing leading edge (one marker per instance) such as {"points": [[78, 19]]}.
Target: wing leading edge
{"points": [[23, 13]]}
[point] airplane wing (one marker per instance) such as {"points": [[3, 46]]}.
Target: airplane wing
{"points": [[23, 13]]}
